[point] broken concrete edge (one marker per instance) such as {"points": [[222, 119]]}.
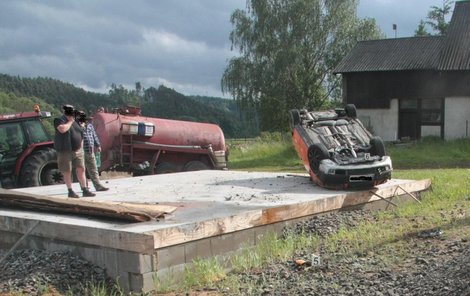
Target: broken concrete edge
{"points": [[198, 230], [148, 242]]}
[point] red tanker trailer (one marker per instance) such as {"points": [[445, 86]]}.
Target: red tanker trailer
{"points": [[146, 145]]}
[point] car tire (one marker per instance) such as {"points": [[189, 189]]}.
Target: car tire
{"points": [[294, 118], [351, 110], [40, 168], [377, 146], [195, 165], [316, 153], [166, 168]]}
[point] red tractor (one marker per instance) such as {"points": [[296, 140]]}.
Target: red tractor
{"points": [[27, 156]]}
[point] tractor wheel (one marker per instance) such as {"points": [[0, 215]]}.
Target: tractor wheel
{"points": [[166, 168], [40, 168], [351, 110], [294, 118], [195, 165], [377, 146], [316, 153]]}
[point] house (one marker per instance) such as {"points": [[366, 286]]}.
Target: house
{"points": [[413, 87]]}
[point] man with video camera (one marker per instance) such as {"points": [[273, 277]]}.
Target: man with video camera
{"points": [[68, 142]]}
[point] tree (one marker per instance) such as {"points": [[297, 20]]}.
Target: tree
{"points": [[421, 30], [288, 51], [436, 19]]}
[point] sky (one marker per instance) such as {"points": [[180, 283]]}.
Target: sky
{"points": [[182, 44]]}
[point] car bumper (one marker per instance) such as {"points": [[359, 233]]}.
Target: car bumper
{"points": [[355, 176]]}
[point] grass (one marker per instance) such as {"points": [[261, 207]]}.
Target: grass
{"points": [[261, 155], [445, 206]]}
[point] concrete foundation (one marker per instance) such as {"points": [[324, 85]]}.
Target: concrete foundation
{"points": [[218, 213]]}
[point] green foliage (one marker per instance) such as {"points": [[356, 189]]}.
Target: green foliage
{"points": [[268, 153], [162, 102], [288, 51], [203, 273], [167, 103], [11, 103], [264, 155], [431, 153], [421, 30], [54, 92], [436, 19]]}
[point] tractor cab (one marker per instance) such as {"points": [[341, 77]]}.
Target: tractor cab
{"points": [[22, 139]]}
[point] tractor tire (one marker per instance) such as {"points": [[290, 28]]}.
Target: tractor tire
{"points": [[377, 146], [195, 165], [351, 110], [40, 169], [316, 153], [166, 168], [294, 118]]}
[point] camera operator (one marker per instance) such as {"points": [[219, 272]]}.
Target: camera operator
{"points": [[68, 142], [91, 144]]}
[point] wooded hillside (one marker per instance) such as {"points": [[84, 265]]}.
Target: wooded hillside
{"points": [[155, 102]]}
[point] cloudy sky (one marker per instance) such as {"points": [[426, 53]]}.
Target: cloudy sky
{"points": [[183, 44]]}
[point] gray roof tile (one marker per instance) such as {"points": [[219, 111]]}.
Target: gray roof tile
{"points": [[450, 52]]}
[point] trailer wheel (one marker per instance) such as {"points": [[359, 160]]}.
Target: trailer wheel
{"points": [[294, 118], [40, 168], [165, 168], [316, 153], [377, 146], [195, 165], [351, 110]]}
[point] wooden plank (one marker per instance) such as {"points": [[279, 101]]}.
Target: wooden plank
{"points": [[118, 210]]}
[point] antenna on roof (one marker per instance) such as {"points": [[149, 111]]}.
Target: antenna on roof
{"points": [[394, 26]]}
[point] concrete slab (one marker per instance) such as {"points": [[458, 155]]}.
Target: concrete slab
{"points": [[210, 204]]}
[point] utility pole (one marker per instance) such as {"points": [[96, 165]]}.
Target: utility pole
{"points": [[394, 26]]}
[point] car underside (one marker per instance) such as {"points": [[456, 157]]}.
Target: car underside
{"points": [[337, 150]]}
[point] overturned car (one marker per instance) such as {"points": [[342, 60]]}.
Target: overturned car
{"points": [[337, 150]]}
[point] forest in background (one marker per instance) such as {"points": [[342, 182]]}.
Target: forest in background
{"points": [[20, 94]]}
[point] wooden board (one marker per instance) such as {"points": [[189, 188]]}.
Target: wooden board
{"points": [[132, 212]]}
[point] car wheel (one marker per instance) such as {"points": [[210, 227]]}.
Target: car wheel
{"points": [[351, 110], [377, 146], [294, 118], [316, 153]]}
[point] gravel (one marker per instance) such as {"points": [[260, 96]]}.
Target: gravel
{"points": [[429, 264], [33, 272]]}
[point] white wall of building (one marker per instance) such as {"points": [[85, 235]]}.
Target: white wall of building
{"points": [[381, 122], [457, 118]]}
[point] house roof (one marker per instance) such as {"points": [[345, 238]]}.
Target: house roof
{"points": [[455, 54], [449, 52]]}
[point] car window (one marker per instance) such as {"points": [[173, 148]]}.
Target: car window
{"points": [[36, 132], [11, 137]]}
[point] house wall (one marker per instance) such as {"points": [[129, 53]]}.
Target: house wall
{"points": [[374, 90], [457, 118], [381, 122]]}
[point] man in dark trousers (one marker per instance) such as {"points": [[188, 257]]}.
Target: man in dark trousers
{"points": [[91, 144], [68, 142]]}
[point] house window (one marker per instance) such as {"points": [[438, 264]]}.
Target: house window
{"points": [[409, 104], [431, 111]]}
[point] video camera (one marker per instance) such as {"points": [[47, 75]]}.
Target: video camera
{"points": [[69, 110]]}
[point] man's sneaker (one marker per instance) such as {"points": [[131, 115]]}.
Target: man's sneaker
{"points": [[101, 188], [72, 194], [87, 193]]}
